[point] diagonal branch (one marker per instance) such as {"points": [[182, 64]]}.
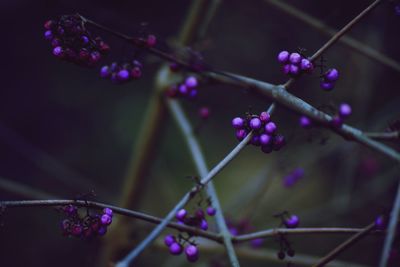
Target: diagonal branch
{"points": [[202, 169]]}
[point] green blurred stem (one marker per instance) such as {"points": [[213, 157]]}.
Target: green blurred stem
{"points": [[350, 42], [345, 245], [200, 163]]}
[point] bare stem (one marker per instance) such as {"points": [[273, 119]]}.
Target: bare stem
{"points": [[384, 136], [349, 242], [198, 158]]}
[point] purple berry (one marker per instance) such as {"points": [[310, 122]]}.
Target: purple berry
{"points": [[76, 230], [181, 214], [136, 72], [256, 243], [123, 75], [265, 117], [200, 214], [102, 230], [265, 139], [192, 253], [183, 89], [48, 24], [293, 69], [292, 222], [306, 65], [66, 224], [255, 140], [94, 57], [255, 123], [204, 225], [175, 248], [283, 57], [305, 122], [238, 123], [151, 40], [270, 127], [336, 122], [286, 68], [241, 134], [192, 94], [327, 86], [169, 240], [211, 211], [55, 42], [106, 219], [48, 35], [233, 230], [380, 223], [204, 112], [70, 210], [105, 72], [278, 142], [191, 82], [84, 39], [266, 149], [58, 51], [331, 75], [344, 110], [295, 58]]}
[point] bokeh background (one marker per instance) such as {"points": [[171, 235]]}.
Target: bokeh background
{"points": [[64, 131]]}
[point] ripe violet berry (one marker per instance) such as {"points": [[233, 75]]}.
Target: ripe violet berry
{"points": [[238, 123], [305, 122], [169, 240], [192, 253], [332, 75], [292, 222], [327, 86], [191, 82], [181, 214], [175, 248], [283, 57], [344, 110], [270, 127], [211, 211], [295, 58], [255, 123]]}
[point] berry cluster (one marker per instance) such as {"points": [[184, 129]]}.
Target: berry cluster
{"points": [[86, 226], [176, 244], [285, 248], [292, 178], [121, 73], [294, 64], [328, 79], [72, 42], [344, 111], [265, 131], [187, 88]]}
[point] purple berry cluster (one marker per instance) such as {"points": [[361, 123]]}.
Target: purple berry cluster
{"points": [[186, 89], [265, 131], [344, 112], [71, 41], [293, 64], [121, 73], [86, 226], [328, 79], [293, 177], [176, 244]]}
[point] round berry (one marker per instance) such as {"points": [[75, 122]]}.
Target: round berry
{"points": [[380, 223], [211, 211], [48, 35], [270, 127], [278, 142], [58, 51], [283, 57], [255, 123], [70, 210], [238, 123], [295, 58], [191, 82], [183, 89], [151, 40], [286, 68], [255, 140], [106, 219], [105, 72], [76, 230], [123, 75], [241, 134], [181, 215], [292, 222], [49, 24], [281, 255], [204, 225], [192, 94], [192, 253], [175, 248], [204, 112], [327, 86], [199, 214], [169, 240], [331, 75], [136, 72], [265, 117], [84, 39], [305, 122], [265, 139], [94, 57], [102, 230], [344, 110], [293, 69], [266, 149], [306, 65]]}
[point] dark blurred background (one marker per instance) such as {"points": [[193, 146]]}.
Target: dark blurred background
{"points": [[64, 131]]}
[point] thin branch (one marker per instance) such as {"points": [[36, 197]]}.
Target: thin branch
{"points": [[349, 242], [198, 158], [350, 42], [391, 231], [384, 136]]}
